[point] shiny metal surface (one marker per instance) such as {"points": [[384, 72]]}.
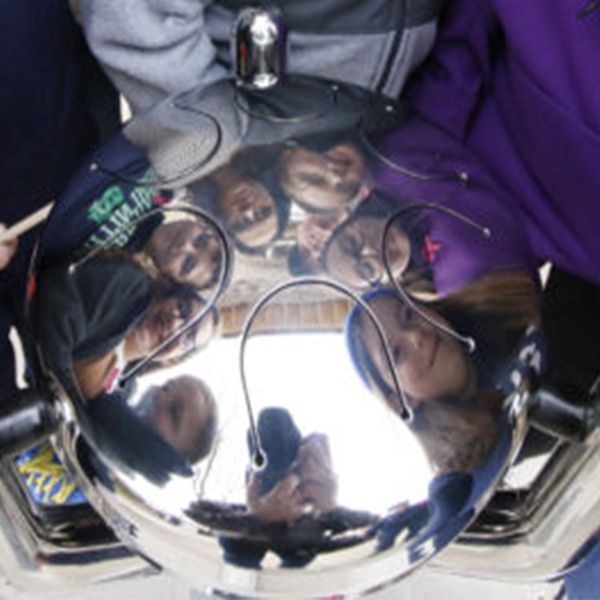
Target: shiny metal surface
{"points": [[339, 463], [36, 557], [259, 48], [546, 535]]}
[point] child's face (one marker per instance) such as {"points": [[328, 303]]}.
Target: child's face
{"points": [[180, 412], [430, 364], [187, 252], [323, 181], [164, 318], [354, 254], [249, 211]]}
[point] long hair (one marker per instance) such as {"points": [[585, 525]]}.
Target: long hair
{"points": [[495, 310], [143, 260], [138, 259], [164, 363], [512, 298]]}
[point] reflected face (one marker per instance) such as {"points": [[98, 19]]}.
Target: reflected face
{"points": [[430, 364], [165, 317], [187, 252], [353, 255], [181, 410], [249, 211], [323, 181]]}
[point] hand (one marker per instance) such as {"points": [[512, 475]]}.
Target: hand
{"points": [[7, 250], [318, 484], [283, 503]]}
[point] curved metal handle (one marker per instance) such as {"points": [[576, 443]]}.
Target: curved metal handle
{"points": [[259, 458]]}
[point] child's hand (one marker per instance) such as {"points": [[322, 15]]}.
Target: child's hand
{"points": [[7, 250]]}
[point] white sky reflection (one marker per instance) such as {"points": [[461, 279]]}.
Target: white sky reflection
{"points": [[377, 460]]}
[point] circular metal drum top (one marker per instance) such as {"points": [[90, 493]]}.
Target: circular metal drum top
{"points": [[300, 369]]}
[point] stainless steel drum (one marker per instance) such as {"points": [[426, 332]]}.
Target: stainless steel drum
{"points": [[303, 372]]}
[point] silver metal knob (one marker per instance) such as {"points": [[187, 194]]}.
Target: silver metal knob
{"points": [[259, 47]]}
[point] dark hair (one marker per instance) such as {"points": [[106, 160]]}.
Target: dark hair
{"points": [[112, 426], [353, 195], [206, 438], [280, 440], [202, 223], [324, 141], [261, 164], [167, 288], [158, 364], [160, 286]]}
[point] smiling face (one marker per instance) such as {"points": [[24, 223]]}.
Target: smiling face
{"points": [[430, 364], [182, 410], [353, 255], [323, 181], [165, 317], [187, 252], [249, 211]]}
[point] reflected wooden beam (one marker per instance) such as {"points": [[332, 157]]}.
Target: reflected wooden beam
{"points": [[319, 315]]}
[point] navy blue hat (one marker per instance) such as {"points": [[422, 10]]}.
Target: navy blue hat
{"points": [[280, 440], [361, 358]]}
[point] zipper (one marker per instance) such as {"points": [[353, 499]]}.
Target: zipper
{"points": [[393, 50], [390, 61]]}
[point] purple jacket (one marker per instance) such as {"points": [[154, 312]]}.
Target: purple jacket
{"points": [[454, 252], [517, 83]]}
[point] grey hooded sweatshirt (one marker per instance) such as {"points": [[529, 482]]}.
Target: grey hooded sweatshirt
{"points": [[173, 57]]}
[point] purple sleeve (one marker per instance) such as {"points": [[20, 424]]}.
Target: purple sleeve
{"points": [[462, 253], [447, 89]]}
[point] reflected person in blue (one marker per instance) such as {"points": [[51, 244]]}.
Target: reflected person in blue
{"points": [[457, 413]]}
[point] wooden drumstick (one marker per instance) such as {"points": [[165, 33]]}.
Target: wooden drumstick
{"points": [[24, 225]]}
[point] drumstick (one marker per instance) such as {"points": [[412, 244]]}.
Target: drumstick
{"points": [[24, 225]]}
